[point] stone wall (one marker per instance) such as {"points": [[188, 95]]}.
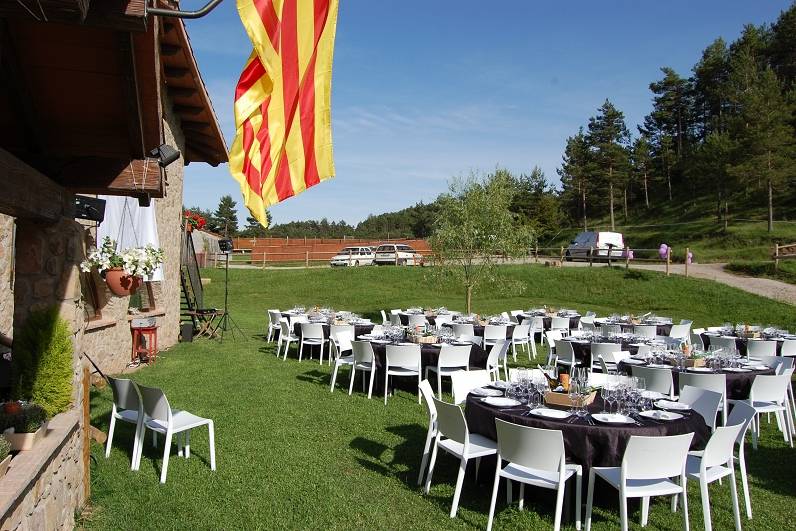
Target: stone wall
{"points": [[44, 486], [6, 271]]}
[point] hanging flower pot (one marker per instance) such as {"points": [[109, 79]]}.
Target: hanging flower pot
{"points": [[120, 283]]}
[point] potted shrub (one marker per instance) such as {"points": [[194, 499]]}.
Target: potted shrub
{"points": [[5, 456], [24, 428], [123, 271]]}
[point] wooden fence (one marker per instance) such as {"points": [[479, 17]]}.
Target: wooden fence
{"points": [[783, 252]]}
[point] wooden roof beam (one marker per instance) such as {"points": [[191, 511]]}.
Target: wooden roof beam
{"points": [[132, 96], [124, 15], [96, 175], [30, 194]]}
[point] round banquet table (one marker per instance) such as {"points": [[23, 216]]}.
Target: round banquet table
{"points": [[405, 318], [359, 329], [585, 444], [740, 343], [574, 322], [479, 329], [738, 383], [429, 355]]}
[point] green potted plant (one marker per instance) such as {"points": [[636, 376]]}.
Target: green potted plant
{"points": [[123, 271], [23, 429], [5, 456]]}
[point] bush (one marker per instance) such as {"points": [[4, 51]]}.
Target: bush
{"points": [[42, 369]]}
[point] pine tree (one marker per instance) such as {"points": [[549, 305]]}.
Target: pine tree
{"points": [[641, 163], [782, 48], [608, 139], [253, 227], [711, 75], [226, 216], [765, 137], [574, 173], [709, 167]]}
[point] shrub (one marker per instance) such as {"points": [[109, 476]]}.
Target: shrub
{"points": [[42, 367]]}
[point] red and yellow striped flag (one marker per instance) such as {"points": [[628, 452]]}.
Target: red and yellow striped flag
{"points": [[283, 140]]}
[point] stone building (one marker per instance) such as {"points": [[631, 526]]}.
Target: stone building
{"points": [[88, 91]]}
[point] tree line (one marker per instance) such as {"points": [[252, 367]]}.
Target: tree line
{"points": [[727, 130]]}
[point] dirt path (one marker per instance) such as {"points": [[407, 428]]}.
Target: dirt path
{"points": [[765, 287]]}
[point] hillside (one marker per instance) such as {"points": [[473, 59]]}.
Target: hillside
{"points": [[694, 225]]}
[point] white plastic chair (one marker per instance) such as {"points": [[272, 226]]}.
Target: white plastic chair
{"points": [[334, 343], [648, 466], [363, 360], [286, 336], [646, 330], [742, 413], [417, 320], [443, 319], [273, 323], [428, 396], [520, 336], [463, 382], [696, 340], [384, 319], [494, 333], [458, 442], [757, 348], [514, 316], [537, 327], [603, 350], [463, 329], [715, 463], [778, 363], [769, 395], [712, 382], [658, 380], [535, 457], [560, 323], [681, 331], [160, 418], [402, 360], [608, 329], [342, 343], [312, 335], [395, 319], [788, 347], [704, 402], [551, 336], [452, 358], [498, 353], [728, 344], [127, 407], [565, 354]]}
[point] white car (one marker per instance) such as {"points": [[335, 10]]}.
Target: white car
{"points": [[596, 245], [353, 256], [392, 254]]}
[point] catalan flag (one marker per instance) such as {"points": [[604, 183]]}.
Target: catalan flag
{"points": [[283, 140]]}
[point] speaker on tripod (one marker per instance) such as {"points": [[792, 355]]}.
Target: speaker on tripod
{"points": [[227, 322]]}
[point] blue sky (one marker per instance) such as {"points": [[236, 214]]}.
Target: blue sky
{"points": [[426, 90]]}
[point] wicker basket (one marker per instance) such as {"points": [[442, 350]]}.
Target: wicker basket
{"points": [[552, 398], [423, 340]]}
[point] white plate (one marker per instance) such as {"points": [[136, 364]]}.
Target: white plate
{"points": [[658, 414], [631, 361], [612, 418], [699, 369], [736, 369], [659, 366], [500, 384], [380, 341], [499, 401], [757, 367], [668, 404], [484, 391], [549, 413], [460, 343]]}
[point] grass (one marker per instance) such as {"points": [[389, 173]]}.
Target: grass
{"points": [[693, 225], [785, 273], [292, 455]]}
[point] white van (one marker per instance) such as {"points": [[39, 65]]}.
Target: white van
{"points": [[598, 245], [353, 256], [391, 254]]}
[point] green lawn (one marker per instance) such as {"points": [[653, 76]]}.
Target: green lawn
{"points": [[292, 455]]}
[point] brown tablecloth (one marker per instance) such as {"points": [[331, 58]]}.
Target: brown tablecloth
{"points": [[582, 350], [479, 330], [574, 322], [587, 445], [358, 329], [738, 383]]}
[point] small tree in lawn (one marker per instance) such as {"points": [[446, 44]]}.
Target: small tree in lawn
{"points": [[474, 229]]}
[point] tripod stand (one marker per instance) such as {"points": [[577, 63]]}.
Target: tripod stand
{"points": [[227, 322]]}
